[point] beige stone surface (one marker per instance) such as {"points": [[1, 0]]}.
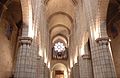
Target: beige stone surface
{"points": [[70, 21], [5, 57], [115, 46]]}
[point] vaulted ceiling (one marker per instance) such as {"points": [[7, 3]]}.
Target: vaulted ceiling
{"points": [[60, 16], [13, 10]]}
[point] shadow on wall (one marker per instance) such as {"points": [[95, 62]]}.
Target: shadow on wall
{"points": [[7, 48], [113, 30]]}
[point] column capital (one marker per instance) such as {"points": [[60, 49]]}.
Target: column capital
{"points": [[86, 56], [25, 40], [103, 40], [39, 57], [77, 64]]}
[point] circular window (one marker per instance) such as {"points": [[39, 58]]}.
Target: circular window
{"points": [[59, 47]]}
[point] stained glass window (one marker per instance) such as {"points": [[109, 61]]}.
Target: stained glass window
{"points": [[59, 47]]}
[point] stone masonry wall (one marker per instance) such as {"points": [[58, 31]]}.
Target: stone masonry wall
{"points": [[7, 48]]}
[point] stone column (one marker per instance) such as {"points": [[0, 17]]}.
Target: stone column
{"points": [[40, 67], [76, 70], [102, 55], [46, 71], [102, 60], [25, 59], [71, 73], [85, 64]]}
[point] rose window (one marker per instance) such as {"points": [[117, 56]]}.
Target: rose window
{"points": [[59, 47]]}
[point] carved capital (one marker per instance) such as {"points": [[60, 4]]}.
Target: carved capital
{"points": [[103, 41], [25, 40], [86, 56]]}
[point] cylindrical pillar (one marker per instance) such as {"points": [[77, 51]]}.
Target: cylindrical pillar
{"points": [[102, 60], [40, 67], [25, 59], [85, 63], [76, 70], [71, 73], [46, 72]]}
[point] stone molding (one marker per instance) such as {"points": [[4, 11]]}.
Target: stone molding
{"points": [[25, 40], [76, 64], [39, 57], [86, 56], [104, 40]]}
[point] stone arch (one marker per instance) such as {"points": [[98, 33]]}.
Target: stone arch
{"points": [[27, 18], [103, 7], [25, 4], [63, 36], [74, 1], [59, 66], [60, 25], [56, 25], [113, 31], [60, 12], [113, 19], [100, 18], [64, 23]]}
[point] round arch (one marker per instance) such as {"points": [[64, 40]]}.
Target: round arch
{"points": [[62, 37], [58, 67], [60, 19], [27, 17], [74, 1], [60, 25], [59, 64], [26, 6], [62, 13]]}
